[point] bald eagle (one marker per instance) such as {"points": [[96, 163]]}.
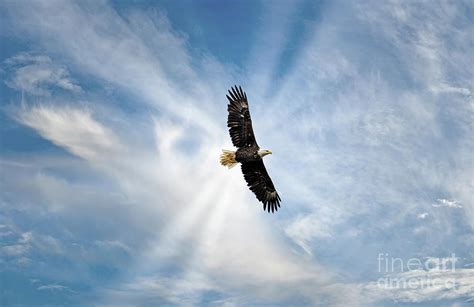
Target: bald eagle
{"points": [[248, 152]]}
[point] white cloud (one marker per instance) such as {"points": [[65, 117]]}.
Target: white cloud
{"points": [[74, 129], [164, 290], [360, 159], [446, 203], [422, 216], [445, 88], [14, 250], [422, 286], [38, 75], [24, 244], [53, 287], [304, 228], [114, 244], [196, 185]]}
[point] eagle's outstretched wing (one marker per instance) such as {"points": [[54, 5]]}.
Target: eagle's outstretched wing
{"points": [[261, 184], [239, 121]]}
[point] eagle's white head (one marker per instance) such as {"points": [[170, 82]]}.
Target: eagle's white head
{"points": [[262, 153]]}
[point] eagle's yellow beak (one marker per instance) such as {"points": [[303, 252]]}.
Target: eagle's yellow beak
{"points": [[262, 153]]}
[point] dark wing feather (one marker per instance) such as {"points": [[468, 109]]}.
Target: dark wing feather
{"points": [[239, 121], [261, 184]]}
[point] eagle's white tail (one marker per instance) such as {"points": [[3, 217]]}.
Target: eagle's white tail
{"points": [[228, 158]]}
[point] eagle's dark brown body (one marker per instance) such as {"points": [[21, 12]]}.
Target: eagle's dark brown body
{"points": [[247, 154]]}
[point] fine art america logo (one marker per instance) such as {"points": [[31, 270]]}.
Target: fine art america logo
{"points": [[416, 273]]}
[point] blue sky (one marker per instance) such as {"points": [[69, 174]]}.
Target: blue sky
{"points": [[113, 116]]}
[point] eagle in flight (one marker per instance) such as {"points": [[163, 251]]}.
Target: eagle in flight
{"points": [[248, 153]]}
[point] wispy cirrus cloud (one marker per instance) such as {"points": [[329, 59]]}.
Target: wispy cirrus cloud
{"points": [[421, 286], [38, 75], [137, 185], [446, 203], [73, 128], [76, 130]]}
